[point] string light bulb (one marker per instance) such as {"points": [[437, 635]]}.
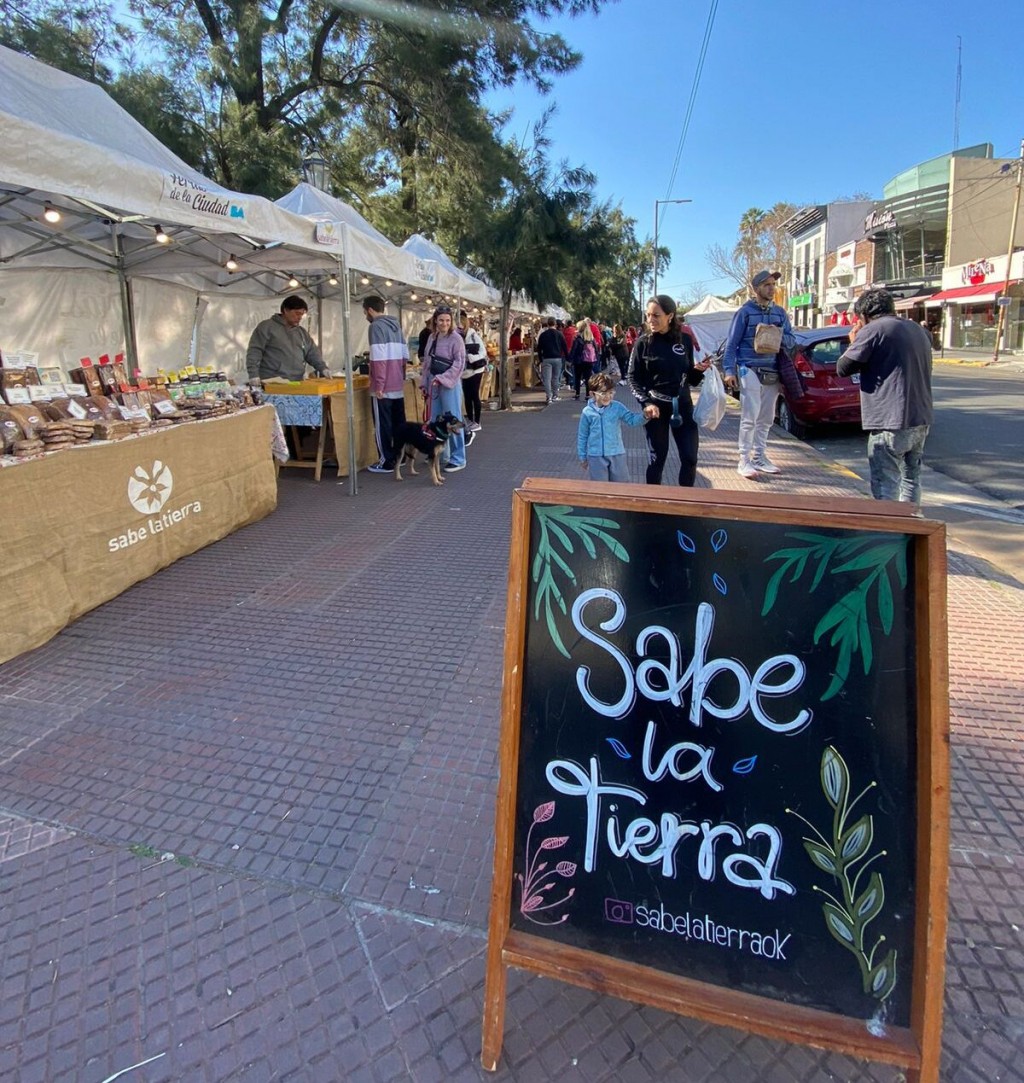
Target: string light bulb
{"points": [[293, 282], [161, 237], [413, 297], [387, 282], [332, 281], [364, 280], [231, 264], [51, 214]]}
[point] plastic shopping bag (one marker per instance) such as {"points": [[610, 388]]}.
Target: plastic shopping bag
{"points": [[710, 408]]}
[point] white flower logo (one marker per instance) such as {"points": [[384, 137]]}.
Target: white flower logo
{"points": [[148, 492]]}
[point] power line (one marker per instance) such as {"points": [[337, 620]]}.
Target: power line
{"points": [[709, 26]]}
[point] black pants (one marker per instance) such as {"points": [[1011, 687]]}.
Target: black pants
{"points": [[471, 393], [388, 414], [582, 373], [687, 438]]}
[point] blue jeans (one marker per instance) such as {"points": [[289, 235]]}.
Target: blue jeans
{"points": [[894, 458], [607, 467], [449, 400]]}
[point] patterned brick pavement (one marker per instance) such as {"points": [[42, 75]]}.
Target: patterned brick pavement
{"points": [[246, 810]]}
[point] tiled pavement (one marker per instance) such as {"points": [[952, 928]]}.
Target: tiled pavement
{"points": [[246, 810]]}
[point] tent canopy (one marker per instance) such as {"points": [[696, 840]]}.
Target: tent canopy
{"points": [[81, 154], [711, 319], [455, 280]]}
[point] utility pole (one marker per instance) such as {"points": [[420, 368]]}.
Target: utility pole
{"points": [[657, 204], [1003, 298]]}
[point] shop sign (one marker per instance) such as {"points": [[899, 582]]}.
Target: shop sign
{"points": [[974, 274], [328, 233], [426, 271], [800, 299], [181, 190], [149, 489], [879, 221]]}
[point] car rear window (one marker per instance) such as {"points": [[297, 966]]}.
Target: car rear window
{"points": [[829, 351]]}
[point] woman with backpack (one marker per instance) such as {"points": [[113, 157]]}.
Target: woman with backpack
{"points": [[661, 373], [583, 356]]}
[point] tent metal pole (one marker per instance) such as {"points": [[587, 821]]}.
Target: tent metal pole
{"points": [[350, 402], [127, 306]]}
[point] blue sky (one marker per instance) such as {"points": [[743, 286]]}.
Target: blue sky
{"points": [[831, 98]]}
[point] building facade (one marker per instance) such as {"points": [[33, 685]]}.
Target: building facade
{"points": [[815, 232]]}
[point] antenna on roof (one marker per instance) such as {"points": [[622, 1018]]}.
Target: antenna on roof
{"points": [[956, 107]]}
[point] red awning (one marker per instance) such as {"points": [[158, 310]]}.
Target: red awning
{"points": [[966, 294]]}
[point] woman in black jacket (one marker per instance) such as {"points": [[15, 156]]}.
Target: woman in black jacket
{"points": [[661, 373]]}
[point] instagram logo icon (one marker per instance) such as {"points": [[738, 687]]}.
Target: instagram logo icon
{"points": [[618, 911]]}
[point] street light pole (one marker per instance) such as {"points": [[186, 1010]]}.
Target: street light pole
{"points": [[1004, 299], [657, 204]]}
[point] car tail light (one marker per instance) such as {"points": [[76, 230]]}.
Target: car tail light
{"points": [[803, 366]]}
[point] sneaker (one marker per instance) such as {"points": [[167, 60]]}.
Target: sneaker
{"points": [[746, 469], [473, 426], [470, 437], [451, 468], [554, 398], [764, 465], [381, 468]]}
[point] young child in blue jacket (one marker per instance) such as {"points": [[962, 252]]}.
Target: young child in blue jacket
{"points": [[599, 443]]}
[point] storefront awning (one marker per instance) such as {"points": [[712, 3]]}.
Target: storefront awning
{"points": [[903, 303], [969, 294]]}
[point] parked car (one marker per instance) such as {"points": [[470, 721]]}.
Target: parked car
{"points": [[825, 397]]}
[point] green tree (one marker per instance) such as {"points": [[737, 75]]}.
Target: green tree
{"points": [[529, 238]]}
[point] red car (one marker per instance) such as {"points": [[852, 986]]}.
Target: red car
{"points": [[825, 397]]}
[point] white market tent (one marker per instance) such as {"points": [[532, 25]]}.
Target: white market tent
{"points": [[711, 319], [69, 147], [455, 280]]}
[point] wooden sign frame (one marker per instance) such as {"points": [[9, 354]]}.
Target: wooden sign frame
{"points": [[915, 1048]]}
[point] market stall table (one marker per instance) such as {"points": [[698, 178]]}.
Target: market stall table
{"points": [[83, 524]]}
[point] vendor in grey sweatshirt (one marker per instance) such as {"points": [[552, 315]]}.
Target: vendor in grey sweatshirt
{"points": [[281, 347]]}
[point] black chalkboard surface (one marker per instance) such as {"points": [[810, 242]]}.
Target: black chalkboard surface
{"points": [[716, 749]]}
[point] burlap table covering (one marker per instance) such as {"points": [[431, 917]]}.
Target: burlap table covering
{"points": [[81, 526]]}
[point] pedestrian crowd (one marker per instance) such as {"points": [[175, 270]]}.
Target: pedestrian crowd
{"points": [[658, 366]]}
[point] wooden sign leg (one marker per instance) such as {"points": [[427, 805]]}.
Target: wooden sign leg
{"points": [[494, 1008]]}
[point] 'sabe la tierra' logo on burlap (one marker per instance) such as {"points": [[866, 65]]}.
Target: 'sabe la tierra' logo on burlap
{"points": [[148, 491]]}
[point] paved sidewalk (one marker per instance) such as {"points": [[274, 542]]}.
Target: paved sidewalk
{"points": [[246, 809]]}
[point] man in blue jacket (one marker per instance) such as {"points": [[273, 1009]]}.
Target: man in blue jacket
{"points": [[757, 372]]}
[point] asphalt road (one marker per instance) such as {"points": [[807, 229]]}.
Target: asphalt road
{"points": [[977, 438], [973, 477]]}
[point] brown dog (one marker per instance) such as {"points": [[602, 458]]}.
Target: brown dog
{"points": [[428, 439]]}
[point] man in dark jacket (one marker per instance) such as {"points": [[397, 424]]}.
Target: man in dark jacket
{"points": [[280, 347], [894, 359], [553, 354], [757, 373]]}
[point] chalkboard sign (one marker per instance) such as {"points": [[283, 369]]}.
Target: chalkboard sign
{"points": [[723, 763]]}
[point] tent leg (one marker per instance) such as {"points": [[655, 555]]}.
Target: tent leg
{"points": [[127, 306]]}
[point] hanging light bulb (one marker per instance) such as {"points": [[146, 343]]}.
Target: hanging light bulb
{"points": [[332, 281], [232, 264], [387, 281], [293, 282], [413, 297], [365, 281], [161, 237], [428, 300], [51, 214]]}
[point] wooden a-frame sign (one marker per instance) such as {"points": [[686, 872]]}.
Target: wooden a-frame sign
{"points": [[724, 774]]}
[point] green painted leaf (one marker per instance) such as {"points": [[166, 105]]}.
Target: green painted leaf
{"points": [[538, 565], [882, 979], [561, 535], [857, 841], [839, 925], [876, 557], [835, 777], [885, 603], [584, 538], [822, 856], [614, 545], [871, 900], [557, 559]]}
